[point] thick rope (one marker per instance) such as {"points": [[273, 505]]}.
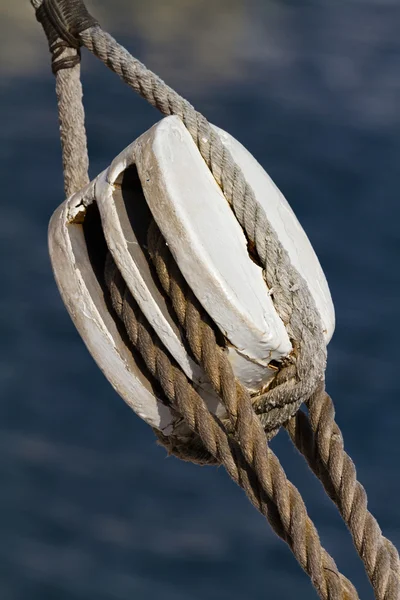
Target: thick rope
{"points": [[72, 128], [380, 557], [214, 360], [68, 26], [302, 325], [293, 524], [292, 299], [71, 114], [320, 440]]}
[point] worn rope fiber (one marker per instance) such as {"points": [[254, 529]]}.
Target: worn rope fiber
{"points": [[71, 114], [320, 441], [301, 378], [212, 357], [325, 453], [292, 299], [293, 523], [322, 586]]}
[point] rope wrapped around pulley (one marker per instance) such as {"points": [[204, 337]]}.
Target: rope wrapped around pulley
{"points": [[269, 491], [239, 441]]}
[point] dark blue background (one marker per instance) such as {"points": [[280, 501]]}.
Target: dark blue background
{"points": [[89, 506]]}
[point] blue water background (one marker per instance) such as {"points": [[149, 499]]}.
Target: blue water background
{"points": [[90, 508]]}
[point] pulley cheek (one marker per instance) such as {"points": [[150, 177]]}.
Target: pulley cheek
{"points": [[162, 176]]}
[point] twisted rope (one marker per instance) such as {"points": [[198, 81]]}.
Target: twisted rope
{"points": [[292, 298], [275, 496], [68, 26], [325, 454], [290, 293], [214, 360], [71, 115], [320, 440]]}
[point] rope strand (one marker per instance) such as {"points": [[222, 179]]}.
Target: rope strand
{"points": [[293, 525], [292, 298], [239, 444], [320, 440]]}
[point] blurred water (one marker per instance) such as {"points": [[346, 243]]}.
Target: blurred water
{"points": [[89, 507]]}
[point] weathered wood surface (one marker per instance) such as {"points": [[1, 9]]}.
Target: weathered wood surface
{"points": [[84, 299], [209, 247]]}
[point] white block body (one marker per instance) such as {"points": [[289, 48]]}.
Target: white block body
{"points": [[178, 191]]}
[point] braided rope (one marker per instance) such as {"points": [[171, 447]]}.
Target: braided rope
{"points": [[320, 440], [289, 517]]}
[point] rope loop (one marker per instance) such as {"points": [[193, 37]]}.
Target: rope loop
{"points": [[63, 21]]}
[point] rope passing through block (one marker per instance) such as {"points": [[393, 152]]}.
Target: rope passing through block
{"points": [[177, 373], [162, 177], [198, 294]]}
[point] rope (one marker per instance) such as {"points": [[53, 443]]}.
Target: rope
{"points": [[292, 299], [293, 524], [239, 442], [251, 430], [71, 115], [62, 21], [380, 557], [320, 440]]}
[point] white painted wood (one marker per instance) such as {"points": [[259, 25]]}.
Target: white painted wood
{"points": [[288, 228], [126, 251], [135, 269], [210, 249], [84, 300]]}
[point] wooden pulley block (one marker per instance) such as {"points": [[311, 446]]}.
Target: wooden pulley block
{"points": [[162, 176]]}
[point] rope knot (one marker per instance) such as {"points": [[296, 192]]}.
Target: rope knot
{"points": [[63, 21]]}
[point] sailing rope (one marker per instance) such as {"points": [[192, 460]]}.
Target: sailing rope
{"points": [[239, 443]]}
